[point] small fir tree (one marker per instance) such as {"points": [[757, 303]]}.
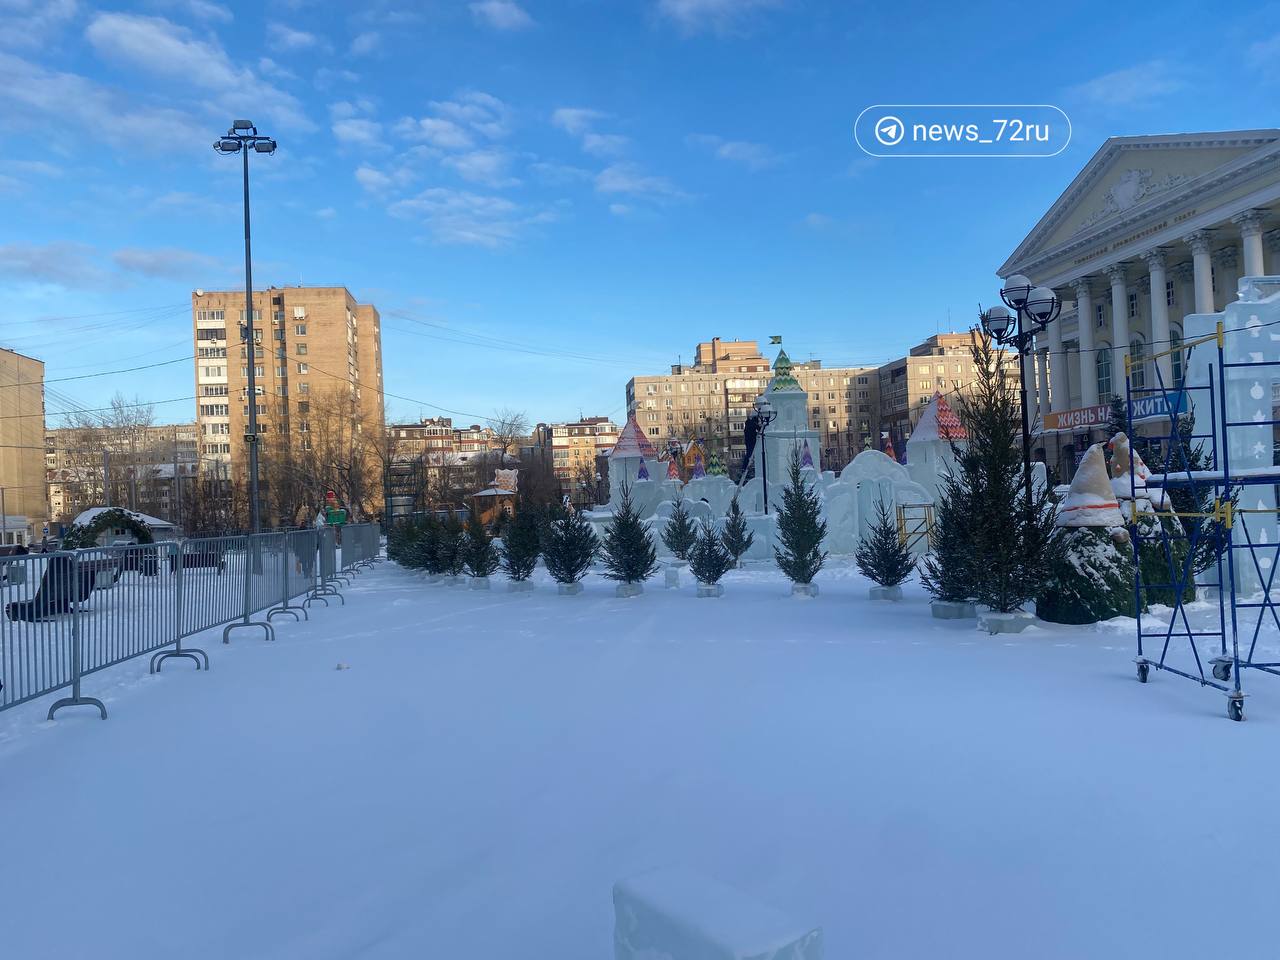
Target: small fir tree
{"points": [[737, 539], [882, 557], [1011, 539], [1091, 577], [948, 572], [680, 533], [521, 545], [480, 555], [709, 560], [421, 550], [1117, 417], [451, 547], [628, 550], [801, 528], [570, 547]]}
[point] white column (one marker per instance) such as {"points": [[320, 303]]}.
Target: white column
{"points": [[1042, 377], [1159, 316], [1119, 326], [1226, 260], [1088, 360], [1250, 224], [1203, 269], [1059, 378]]}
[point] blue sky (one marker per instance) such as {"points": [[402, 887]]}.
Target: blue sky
{"points": [[545, 198]]}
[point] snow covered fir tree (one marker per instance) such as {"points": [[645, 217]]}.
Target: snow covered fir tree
{"points": [[949, 571], [737, 539], [568, 550], [883, 558], [451, 548], [627, 551], [709, 560], [801, 530], [680, 532], [521, 546], [480, 554]]}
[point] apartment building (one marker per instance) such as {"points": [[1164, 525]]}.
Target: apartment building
{"points": [[712, 398], [315, 350], [575, 446], [24, 511], [941, 364], [145, 468], [439, 441]]}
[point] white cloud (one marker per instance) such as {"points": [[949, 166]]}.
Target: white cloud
{"points": [[575, 120], [327, 77], [381, 182], [31, 23], [34, 98], [269, 68], [1131, 86], [488, 167], [162, 48], [64, 264], [1264, 56], [444, 134], [817, 221], [358, 132], [754, 156], [558, 174], [501, 14], [200, 9], [326, 213], [462, 217], [287, 38], [166, 262], [628, 178], [604, 144], [717, 16], [619, 209], [365, 43]]}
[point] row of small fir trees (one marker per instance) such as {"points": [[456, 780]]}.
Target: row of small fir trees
{"points": [[568, 545]]}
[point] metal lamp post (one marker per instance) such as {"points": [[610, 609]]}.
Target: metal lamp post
{"points": [[1034, 308], [766, 415], [243, 138]]}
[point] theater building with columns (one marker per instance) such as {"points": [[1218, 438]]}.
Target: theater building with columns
{"points": [[1152, 229]]}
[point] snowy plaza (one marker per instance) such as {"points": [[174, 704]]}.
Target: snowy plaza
{"points": [[433, 771]]}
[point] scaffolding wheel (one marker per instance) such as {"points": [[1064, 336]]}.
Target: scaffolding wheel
{"points": [[1222, 670], [1235, 708], [1143, 671]]}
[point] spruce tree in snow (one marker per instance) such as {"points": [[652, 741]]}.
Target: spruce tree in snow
{"points": [[680, 533], [737, 538], [1011, 539], [709, 560], [451, 547], [1091, 578], [948, 572], [521, 545], [801, 528], [423, 550], [882, 557], [569, 548], [479, 553], [628, 550]]}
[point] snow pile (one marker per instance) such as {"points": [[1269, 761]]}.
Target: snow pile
{"points": [[1133, 487], [677, 913]]}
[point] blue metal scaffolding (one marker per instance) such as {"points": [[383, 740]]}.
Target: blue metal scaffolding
{"points": [[1202, 539]]}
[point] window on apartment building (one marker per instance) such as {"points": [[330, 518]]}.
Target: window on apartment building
{"points": [[653, 417], [1176, 357], [1133, 305], [304, 426], [257, 315], [299, 329], [300, 349], [1100, 315], [1170, 294], [299, 313], [926, 384], [1138, 362], [863, 381], [1102, 366], [277, 316], [304, 388], [258, 371], [304, 368], [668, 403], [214, 390], [211, 333]]}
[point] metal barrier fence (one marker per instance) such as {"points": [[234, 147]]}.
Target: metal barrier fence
{"points": [[69, 614]]}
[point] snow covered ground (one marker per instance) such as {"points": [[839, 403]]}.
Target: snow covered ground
{"points": [[489, 765]]}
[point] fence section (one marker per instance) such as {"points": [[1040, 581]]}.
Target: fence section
{"points": [[69, 614]]}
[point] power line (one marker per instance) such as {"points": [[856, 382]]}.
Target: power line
{"points": [[100, 373]]}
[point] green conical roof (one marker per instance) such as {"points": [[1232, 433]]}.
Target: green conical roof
{"points": [[782, 378]]}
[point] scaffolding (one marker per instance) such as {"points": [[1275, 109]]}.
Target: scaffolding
{"points": [[915, 526], [1200, 540]]}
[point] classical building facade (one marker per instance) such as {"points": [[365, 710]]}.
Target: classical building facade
{"points": [[24, 510], [711, 398], [1151, 230]]}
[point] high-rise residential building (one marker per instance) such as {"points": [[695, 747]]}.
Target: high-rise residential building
{"points": [[317, 354], [145, 467], [24, 510], [941, 364], [711, 399]]}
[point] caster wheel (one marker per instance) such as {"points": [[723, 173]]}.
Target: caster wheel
{"points": [[1235, 710], [1143, 671], [1222, 671]]}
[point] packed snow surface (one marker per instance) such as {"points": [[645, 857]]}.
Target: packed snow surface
{"points": [[489, 765]]}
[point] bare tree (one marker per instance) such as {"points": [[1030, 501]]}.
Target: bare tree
{"points": [[509, 427]]}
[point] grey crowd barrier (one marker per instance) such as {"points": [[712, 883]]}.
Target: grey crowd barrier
{"points": [[69, 614]]}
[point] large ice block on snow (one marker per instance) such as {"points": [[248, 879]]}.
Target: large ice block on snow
{"points": [[677, 914]]}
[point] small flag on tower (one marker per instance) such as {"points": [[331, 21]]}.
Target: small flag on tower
{"points": [[773, 341]]}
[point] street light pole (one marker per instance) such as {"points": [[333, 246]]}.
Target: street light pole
{"points": [[1034, 308], [766, 415], [241, 138]]}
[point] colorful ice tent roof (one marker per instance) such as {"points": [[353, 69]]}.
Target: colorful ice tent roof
{"points": [[1090, 501], [673, 472], [632, 442], [888, 448], [715, 466], [938, 422], [782, 378], [698, 471], [806, 456], [643, 472]]}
